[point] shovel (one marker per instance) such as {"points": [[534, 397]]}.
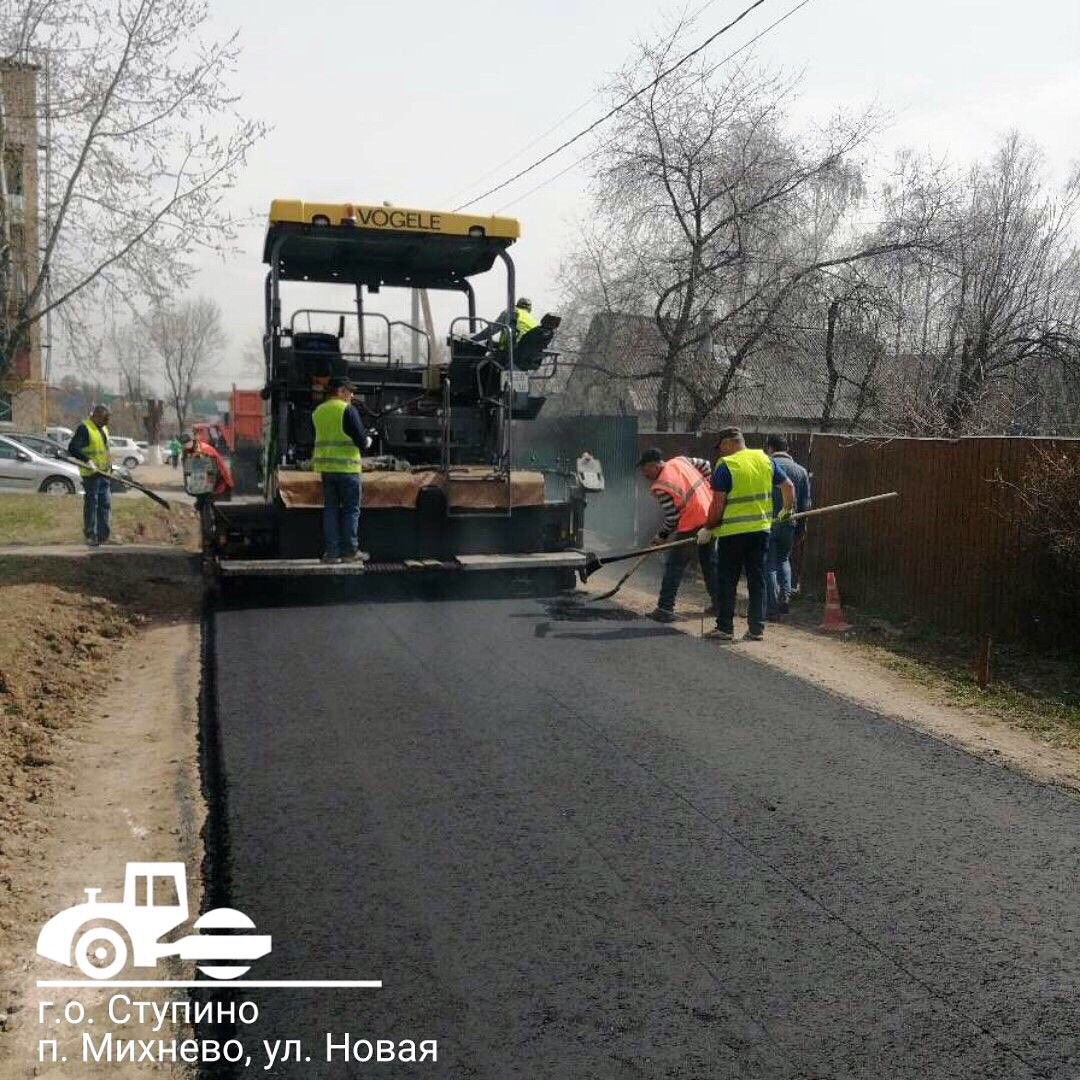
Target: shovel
{"points": [[119, 479], [621, 582], [594, 562]]}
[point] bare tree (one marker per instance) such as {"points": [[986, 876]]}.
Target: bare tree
{"points": [[720, 215], [145, 142], [253, 358], [139, 407], [187, 341], [1017, 275], [986, 332], [125, 346]]}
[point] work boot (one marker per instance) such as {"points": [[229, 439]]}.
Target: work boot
{"points": [[663, 615], [92, 541], [355, 556], [329, 559], [753, 635], [716, 634]]}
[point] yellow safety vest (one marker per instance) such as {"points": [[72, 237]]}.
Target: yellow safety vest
{"points": [[523, 323], [97, 450], [749, 503], [335, 452]]}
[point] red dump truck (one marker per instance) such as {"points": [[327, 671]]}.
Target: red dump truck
{"points": [[239, 436]]}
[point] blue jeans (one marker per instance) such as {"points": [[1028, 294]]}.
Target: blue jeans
{"points": [[675, 566], [778, 579], [97, 502], [341, 513]]}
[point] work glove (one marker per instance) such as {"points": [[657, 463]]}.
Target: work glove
{"points": [[367, 442], [784, 515], [705, 536]]}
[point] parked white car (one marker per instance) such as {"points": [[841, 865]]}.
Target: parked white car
{"points": [[61, 435], [21, 469], [126, 452]]}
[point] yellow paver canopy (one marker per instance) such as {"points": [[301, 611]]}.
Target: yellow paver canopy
{"points": [[382, 245]]}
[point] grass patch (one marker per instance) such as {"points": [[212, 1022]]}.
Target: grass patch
{"points": [[57, 519], [1035, 690]]}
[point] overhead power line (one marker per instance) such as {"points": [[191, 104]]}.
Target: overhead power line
{"points": [[558, 123], [719, 64], [617, 108], [551, 179], [758, 36]]}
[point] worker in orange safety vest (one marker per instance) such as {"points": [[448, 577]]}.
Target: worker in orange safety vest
{"points": [[194, 447], [681, 486]]}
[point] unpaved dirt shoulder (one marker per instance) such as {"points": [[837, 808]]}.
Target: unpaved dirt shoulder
{"points": [[121, 785], [839, 667]]}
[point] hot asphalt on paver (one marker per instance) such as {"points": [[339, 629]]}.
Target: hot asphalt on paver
{"points": [[576, 844]]}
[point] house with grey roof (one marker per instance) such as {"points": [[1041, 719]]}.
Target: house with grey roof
{"points": [[781, 386]]}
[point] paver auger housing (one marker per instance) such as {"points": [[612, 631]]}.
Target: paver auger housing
{"points": [[439, 490]]}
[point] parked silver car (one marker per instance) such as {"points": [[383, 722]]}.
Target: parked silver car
{"points": [[48, 448], [21, 469]]}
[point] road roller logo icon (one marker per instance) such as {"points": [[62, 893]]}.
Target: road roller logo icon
{"points": [[102, 939]]}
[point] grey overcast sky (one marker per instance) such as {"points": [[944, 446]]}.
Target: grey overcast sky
{"points": [[414, 101]]}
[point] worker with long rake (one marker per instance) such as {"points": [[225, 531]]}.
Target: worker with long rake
{"points": [[740, 519], [681, 485]]}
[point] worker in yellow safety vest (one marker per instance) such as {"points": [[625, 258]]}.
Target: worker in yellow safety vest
{"points": [[740, 520], [339, 439], [520, 318], [90, 443]]}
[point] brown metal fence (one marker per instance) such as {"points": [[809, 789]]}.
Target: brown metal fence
{"points": [[953, 549]]}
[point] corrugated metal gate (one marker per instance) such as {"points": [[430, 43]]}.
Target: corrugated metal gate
{"points": [[555, 444]]}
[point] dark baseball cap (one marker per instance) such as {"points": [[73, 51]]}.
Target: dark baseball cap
{"points": [[652, 456], [727, 433]]}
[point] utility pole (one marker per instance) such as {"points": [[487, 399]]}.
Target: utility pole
{"points": [[429, 326], [414, 321], [421, 304]]}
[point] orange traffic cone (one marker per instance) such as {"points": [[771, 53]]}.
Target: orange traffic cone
{"points": [[834, 613]]}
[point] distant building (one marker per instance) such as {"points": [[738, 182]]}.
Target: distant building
{"points": [[22, 392], [782, 386]]}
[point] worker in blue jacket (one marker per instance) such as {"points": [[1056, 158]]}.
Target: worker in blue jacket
{"points": [[784, 534]]}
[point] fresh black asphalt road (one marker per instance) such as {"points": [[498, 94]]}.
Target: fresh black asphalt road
{"points": [[573, 844]]}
